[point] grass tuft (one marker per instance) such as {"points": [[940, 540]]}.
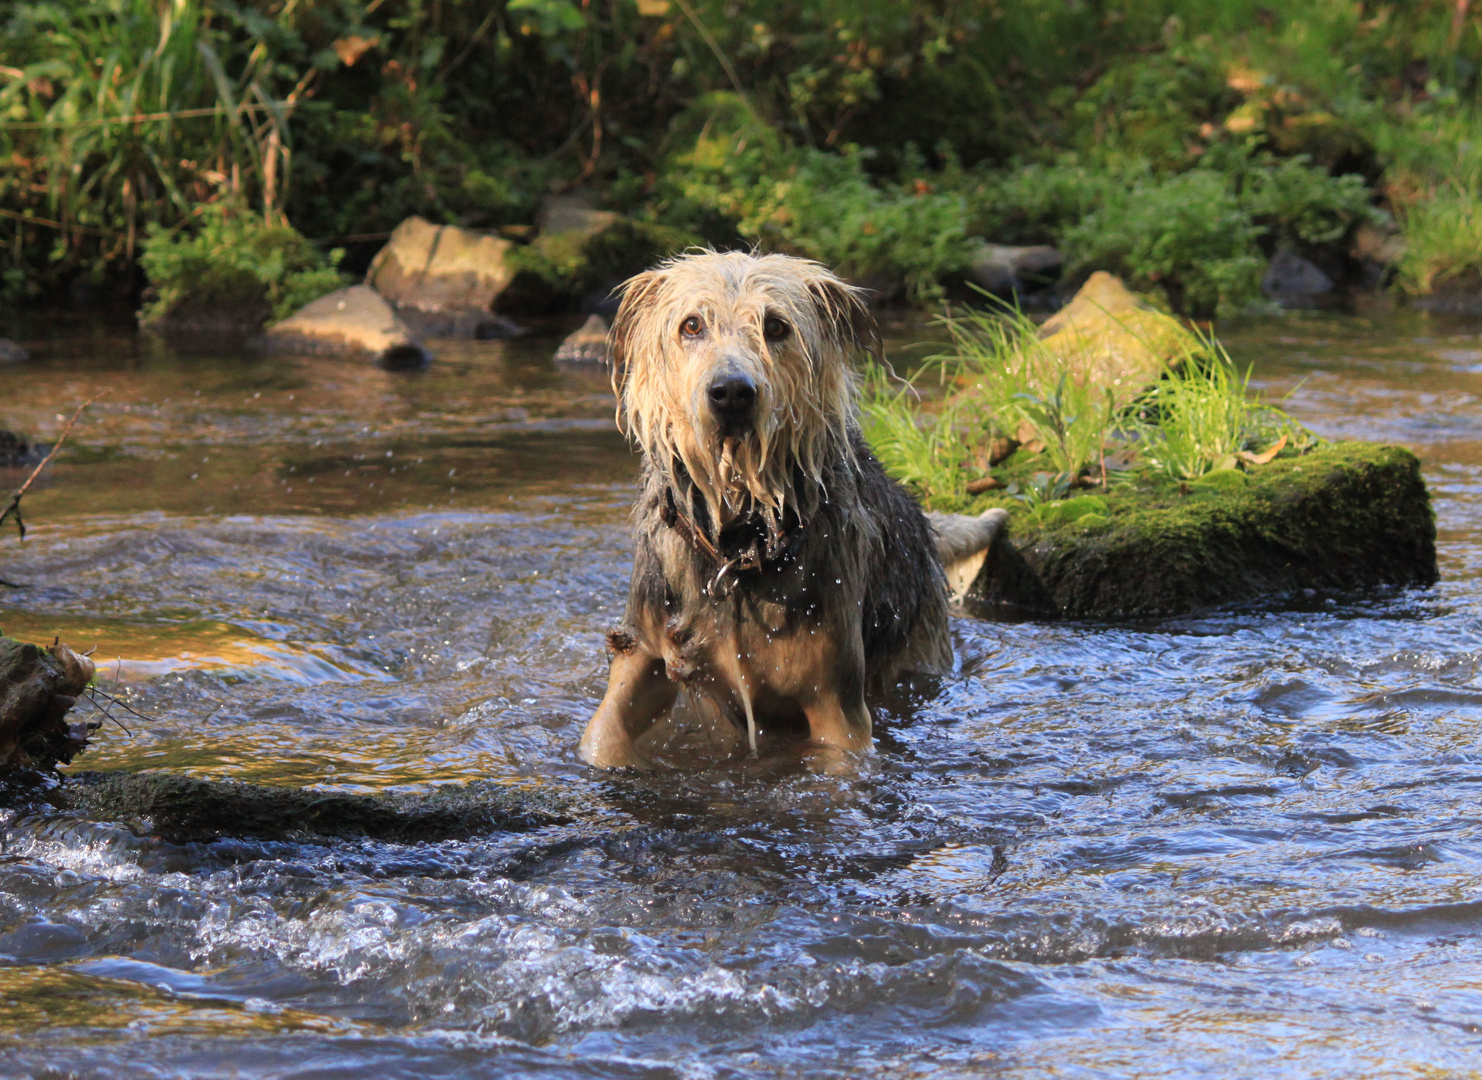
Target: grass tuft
{"points": [[935, 432]]}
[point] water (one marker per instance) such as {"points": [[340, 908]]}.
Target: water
{"points": [[1238, 843]]}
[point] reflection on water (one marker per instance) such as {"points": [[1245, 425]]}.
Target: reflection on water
{"points": [[1233, 843]]}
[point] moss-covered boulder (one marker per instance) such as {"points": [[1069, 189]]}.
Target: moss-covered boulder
{"points": [[1339, 518]]}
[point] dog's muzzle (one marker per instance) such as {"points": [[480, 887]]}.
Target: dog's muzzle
{"points": [[733, 401]]}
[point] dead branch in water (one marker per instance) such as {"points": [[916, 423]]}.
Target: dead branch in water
{"points": [[14, 509]]}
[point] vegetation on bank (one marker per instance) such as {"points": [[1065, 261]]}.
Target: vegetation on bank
{"points": [[1177, 143]]}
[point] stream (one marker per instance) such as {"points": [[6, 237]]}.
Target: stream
{"points": [[1245, 842]]}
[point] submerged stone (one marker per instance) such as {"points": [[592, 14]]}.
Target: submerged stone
{"points": [[11, 353], [182, 809], [1341, 518]]}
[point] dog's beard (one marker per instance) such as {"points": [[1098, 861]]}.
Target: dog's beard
{"points": [[731, 478]]}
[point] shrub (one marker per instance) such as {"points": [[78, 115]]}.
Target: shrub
{"points": [[1301, 205], [744, 174], [1187, 236], [238, 262]]}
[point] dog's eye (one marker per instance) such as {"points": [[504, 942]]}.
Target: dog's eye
{"points": [[775, 329], [692, 326]]}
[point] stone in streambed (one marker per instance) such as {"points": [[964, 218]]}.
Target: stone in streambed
{"points": [[1291, 279], [347, 321], [11, 353], [585, 345], [183, 809], [1113, 338], [1004, 270], [38, 687], [1343, 517], [442, 280]]}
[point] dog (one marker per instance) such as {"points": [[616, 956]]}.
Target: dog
{"points": [[779, 574]]}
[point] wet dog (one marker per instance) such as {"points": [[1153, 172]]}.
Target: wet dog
{"points": [[779, 574]]}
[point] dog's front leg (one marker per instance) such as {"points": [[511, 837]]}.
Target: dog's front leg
{"points": [[838, 719], [638, 693]]}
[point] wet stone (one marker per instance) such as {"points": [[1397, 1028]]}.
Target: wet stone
{"points": [[181, 809], [585, 345]]}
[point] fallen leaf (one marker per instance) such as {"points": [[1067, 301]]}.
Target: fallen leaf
{"points": [[984, 483], [352, 47], [1264, 456], [1001, 448]]}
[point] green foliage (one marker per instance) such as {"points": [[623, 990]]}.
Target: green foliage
{"points": [[237, 262], [796, 127], [1443, 237], [742, 174], [1000, 377], [1187, 236]]}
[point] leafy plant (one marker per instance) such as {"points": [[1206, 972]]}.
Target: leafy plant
{"points": [[237, 261], [1187, 236]]}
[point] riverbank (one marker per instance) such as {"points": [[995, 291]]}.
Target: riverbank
{"points": [[1219, 155]]}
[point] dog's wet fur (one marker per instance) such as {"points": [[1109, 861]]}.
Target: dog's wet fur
{"points": [[779, 575]]}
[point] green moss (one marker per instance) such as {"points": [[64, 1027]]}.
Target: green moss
{"points": [[1341, 517]]}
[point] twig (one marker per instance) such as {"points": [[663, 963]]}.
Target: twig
{"points": [[122, 704], [15, 499], [93, 701]]}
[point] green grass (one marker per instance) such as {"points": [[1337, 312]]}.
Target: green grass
{"points": [[933, 432]]}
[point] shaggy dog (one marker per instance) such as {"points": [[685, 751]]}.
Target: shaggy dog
{"points": [[779, 573]]}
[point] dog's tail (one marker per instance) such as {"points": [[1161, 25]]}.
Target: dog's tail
{"points": [[963, 543]]}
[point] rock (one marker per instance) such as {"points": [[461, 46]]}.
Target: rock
{"points": [[1004, 270], [11, 353], [37, 689], [1342, 517], [443, 279], [352, 320], [183, 809], [15, 449], [574, 213], [1291, 277], [479, 325], [586, 345], [1115, 338], [1383, 246]]}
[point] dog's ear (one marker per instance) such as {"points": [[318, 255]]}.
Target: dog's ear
{"points": [[637, 292], [845, 316]]}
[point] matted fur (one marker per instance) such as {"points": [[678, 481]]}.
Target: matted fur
{"points": [[778, 572], [806, 390]]}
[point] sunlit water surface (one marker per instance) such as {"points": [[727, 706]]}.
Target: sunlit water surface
{"points": [[1236, 844]]}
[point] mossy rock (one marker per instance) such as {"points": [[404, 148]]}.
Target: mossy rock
{"points": [[1342, 517], [182, 809]]}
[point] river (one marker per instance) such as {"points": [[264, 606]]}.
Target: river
{"points": [[1239, 843]]}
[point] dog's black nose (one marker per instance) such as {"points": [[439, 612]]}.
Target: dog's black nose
{"points": [[732, 396]]}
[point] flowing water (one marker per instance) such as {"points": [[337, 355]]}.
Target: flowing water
{"points": [[1240, 843]]}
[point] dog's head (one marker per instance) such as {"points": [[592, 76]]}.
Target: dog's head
{"points": [[738, 367]]}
